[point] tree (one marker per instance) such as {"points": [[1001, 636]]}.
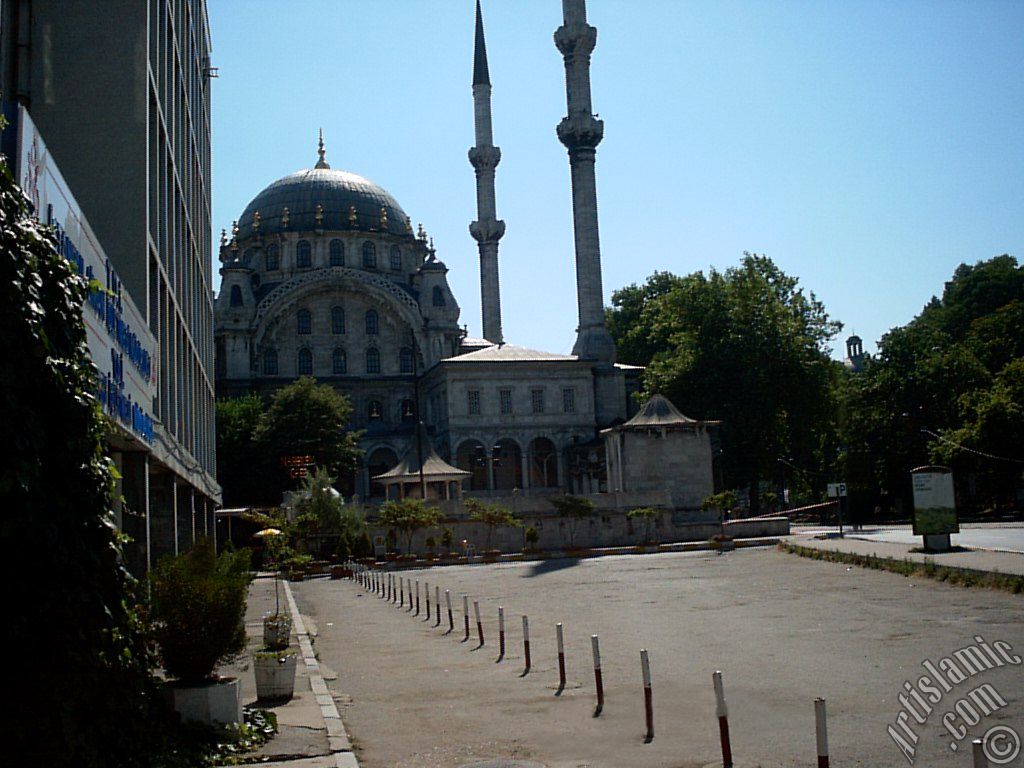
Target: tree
{"points": [[243, 467], [572, 509], [306, 419], [748, 347], [647, 516], [322, 512], [94, 701], [491, 515], [408, 517]]}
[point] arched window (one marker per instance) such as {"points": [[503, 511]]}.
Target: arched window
{"points": [[405, 360], [408, 410], [369, 255], [337, 253], [396, 258], [337, 320], [247, 256], [273, 257], [236, 296], [438, 296], [339, 362], [372, 323], [303, 322], [372, 360], [270, 362], [374, 410], [303, 255], [305, 362]]}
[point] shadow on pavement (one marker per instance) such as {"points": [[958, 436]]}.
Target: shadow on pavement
{"points": [[548, 566]]}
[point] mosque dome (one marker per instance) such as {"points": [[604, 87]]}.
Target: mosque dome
{"points": [[336, 191]]}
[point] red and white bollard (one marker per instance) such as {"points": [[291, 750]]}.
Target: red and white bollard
{"points": [[645, 671], [448, 602], [479, 624], [391, 583], [465, 615], [821, 731], [723, 720], [426, 595], [561, 657], [501, 633], [598, 682], [417, 598], [401, 592], [437, 605], [526, 643], [409, 582]]}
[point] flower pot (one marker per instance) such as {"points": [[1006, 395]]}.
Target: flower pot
{"points": [[275, 674], [277, 629], [212, 701]]}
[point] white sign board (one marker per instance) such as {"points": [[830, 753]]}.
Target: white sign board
{"points": [[836, 490], [120, 343], [934, 503]]}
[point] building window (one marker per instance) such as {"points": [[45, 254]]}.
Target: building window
{"points": [[337, 253], [396, 258], [408, 410], [374, 410], [569, 400], [303, 255], [305, 362], [372, 360], [438, 296], [405, 360], [337, 320], [505, 400], [273, 257], [369, 255], [236, 296], [270, 362], [339, 362], [372, 323], [303, 322], [537, 400], [473, 402]]}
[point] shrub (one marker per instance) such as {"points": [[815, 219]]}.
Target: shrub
{"points": [[198, 609], [573, 509]]}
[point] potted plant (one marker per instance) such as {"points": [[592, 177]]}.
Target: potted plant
{"points": [[447, 538], [274, 670], [198, 611], [647, 516], [277, 629], [531, 537]]}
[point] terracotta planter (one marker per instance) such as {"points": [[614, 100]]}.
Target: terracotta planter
{"points": [[214, 701], [275, 674]]}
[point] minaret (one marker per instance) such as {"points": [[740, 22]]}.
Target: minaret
{"points": [[487, 229], [581, 132]]}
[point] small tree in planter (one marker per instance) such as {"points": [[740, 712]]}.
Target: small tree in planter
{"points": [[198, 612], [447, 539], [645, 516], [491, 515], [572, 509], [408, 517], [530, 537]]}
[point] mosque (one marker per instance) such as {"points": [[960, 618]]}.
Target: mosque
{"points": [[323, 275]]}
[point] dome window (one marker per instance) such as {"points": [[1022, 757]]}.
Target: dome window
{"points": [[405, 360], [305, 362], [303, 322], [372, 360], [337, 320], [273, 257], [339, 362], [270, 362], [396, 258], [337, 253], [372, 323], [303, 255], [438, 296], [236, 296], [369, 255]]}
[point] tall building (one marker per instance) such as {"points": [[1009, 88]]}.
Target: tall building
{"points": [[119, 92]]}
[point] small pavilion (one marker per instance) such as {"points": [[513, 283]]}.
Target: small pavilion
{"points": [[439, 478]]}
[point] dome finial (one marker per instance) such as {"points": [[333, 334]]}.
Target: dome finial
{"points": [[322, 162]]}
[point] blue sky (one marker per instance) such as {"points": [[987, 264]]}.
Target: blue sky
{"points": [[866, 147]]}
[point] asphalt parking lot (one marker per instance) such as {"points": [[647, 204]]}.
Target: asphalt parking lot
{"points": [[782, 629]]}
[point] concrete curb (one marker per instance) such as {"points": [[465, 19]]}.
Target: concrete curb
{"points": [[337, 737]]}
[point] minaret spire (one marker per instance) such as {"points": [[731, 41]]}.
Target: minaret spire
{"points": [[581, 132], [487, 229], [322, 162]]}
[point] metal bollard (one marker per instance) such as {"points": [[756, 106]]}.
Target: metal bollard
{"points": [[561, 657], [723, 720], [598, 682], [437, 604], [501, 633], [645, 670], [448, 602], [417, 598], [821, 731], [526, 643], [465, 615], [426, 595], [479, 624]]}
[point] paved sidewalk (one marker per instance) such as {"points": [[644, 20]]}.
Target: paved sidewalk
{"points": [[310, 732], [974, 559]]}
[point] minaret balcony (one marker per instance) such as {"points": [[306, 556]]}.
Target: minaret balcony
{"points": [[580, 131], [576, 40], [487, 230], [485, 158]]}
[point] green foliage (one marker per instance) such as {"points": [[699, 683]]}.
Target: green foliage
{"points": [[407, 517], [198, 609], [531, 536], [748, 347], [572, 509], [723, 501], [447, 538], [91, 701], [244, 468], [646, 516], [492, 515]]}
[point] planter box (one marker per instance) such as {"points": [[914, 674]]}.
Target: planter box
{"points": [[296, 576], [216, 701], [340, 572], [275, 675]]}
